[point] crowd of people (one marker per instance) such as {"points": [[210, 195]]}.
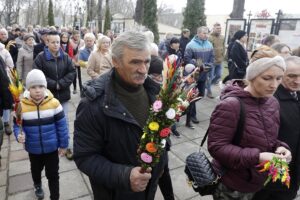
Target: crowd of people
{"points": [[125, 76]]}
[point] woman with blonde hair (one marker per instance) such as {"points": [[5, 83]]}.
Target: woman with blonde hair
{"points": [[100, 60], [237, 160]]}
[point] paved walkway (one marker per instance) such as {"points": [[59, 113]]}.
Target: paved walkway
{"points": [[15, 177]]}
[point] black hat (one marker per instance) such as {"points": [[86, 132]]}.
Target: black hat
{"points": [[156, 65], [239, 34], [174, 40]]}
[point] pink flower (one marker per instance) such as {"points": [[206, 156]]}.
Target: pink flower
{"points": [[146, 158], [157, 105]]}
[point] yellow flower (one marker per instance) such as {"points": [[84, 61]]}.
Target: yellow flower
{"points": [[154, 126]]}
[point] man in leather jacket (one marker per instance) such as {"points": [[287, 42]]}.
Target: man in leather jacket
{"points": [[109, 124]]}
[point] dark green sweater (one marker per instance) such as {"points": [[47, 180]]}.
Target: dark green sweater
{"points": [[135, 99]]}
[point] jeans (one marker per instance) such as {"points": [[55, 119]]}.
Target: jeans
{"points": [[210, 76], [65, 106], [217, 73], [51, 163], [6, 115]]}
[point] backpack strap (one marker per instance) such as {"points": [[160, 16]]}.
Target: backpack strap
{"points": [[240, 127]]}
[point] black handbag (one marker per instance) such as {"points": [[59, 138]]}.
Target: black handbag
{"points": [[200, 173]]}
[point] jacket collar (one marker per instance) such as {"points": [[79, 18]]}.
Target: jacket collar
{"points": [[199, 41], [102, 86], [49, 56], [284, 94]]}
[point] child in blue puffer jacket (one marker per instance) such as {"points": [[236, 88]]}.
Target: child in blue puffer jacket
{"points": [[44, 132]]}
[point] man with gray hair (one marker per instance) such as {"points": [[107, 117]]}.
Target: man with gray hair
{"points": [[288, 96], [110, 120]]}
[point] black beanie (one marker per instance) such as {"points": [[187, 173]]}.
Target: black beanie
{"points": [[156, 65], [239, 34]]}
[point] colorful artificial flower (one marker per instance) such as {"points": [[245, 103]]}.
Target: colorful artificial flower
{"points": [[165, 132], [171, 113], [146, 158], [151, 147], [157, 105], [277, 169], [162, 115], [154, 126]]}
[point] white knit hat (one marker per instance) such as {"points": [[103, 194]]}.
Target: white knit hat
{"points": [[35, 77], [263, 64], [189, 68]]}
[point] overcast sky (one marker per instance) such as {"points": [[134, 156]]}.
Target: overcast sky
{"points": [[220, 7]]}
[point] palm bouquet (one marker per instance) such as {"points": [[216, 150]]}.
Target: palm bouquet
{"points": [[170, 102], [16, 89]]}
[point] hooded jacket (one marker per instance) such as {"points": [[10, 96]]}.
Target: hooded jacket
{"points": [[106, 139], [44, 125], [259, 135]]}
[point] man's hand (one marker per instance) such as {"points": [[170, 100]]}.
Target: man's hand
{"points": [[61, 151], [21, 138], [138, 180], [284, 154]]}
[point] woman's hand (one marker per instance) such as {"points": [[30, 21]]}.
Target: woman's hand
{"points": [[284, 154], [266, 156]]}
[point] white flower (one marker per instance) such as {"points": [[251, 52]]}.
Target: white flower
{"points": [[171, 113], [185, 103], [163, 143]]}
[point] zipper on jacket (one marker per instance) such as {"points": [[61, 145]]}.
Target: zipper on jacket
{"points": [[40, 129], [263, 121], [57, 76]]}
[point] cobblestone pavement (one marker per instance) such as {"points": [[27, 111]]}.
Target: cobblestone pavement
{"points": [[15, 177]]}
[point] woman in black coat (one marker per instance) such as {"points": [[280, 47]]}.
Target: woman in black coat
{"points": [[5, 97]]}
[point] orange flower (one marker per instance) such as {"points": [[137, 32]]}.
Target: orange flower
{"points": [[150, 147]]}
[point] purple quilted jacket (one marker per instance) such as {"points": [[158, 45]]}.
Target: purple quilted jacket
{"points": [[260, 135]]}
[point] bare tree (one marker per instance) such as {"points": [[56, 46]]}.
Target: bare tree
{"points": [[126, 7], [163, 9], [238, 9]]}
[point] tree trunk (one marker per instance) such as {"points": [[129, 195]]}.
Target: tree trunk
{"points": [[238, 9], [38, 12], [99, 16]]}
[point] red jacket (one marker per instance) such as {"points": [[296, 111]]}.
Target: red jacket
{"points": [[260, 135]]}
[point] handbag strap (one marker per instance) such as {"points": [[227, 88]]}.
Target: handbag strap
{"points": [[240, 127]]}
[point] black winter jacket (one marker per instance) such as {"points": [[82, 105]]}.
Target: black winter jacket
{"points": [[6, 99], [289, 132], [106, 139], [239, 56], [59, 71]]}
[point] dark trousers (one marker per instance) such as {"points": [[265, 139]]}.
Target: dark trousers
{"points": [[78, 74], [165, 184], [190, 112], [50, 161], [276, 195]]}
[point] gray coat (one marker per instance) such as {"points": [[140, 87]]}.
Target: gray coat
{"points": [[24, 61]]}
